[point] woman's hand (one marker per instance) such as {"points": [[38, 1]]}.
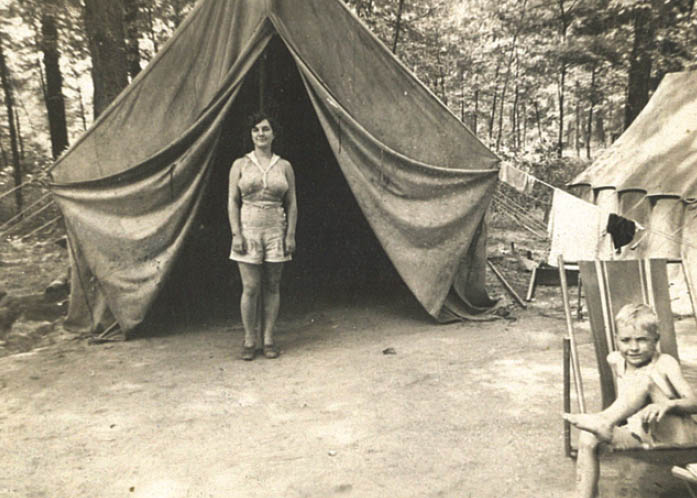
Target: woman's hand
{"points": [[239, 244], [289, 244]]}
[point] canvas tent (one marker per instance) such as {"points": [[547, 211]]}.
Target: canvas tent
{"points": [[650, 175], [143, 192]]}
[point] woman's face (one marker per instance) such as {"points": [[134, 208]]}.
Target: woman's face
{"points": [[262, 134]]}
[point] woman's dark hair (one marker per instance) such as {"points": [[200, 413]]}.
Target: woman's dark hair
{"points": [[260, 116]]}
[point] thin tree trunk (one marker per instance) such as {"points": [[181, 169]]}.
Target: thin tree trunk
{"points": [[476, 111], [3, 157], [503, 100], [514, 117], [640, 64], [55, 103], [524, 141], [42, 81], [9, 105], [577, 126], [589, 125], [132, 35], [560, 92], [537, 119], [397, 26], [493, 104], [20, 138], [151, 29], [105, 32]]}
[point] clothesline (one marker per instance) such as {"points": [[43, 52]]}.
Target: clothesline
{"points": [[523, 182]]}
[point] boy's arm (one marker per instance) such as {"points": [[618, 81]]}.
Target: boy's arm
{"points": [[686, 402]]}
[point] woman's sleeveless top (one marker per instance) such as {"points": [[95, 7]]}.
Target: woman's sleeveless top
{"points": [[262, 187]]}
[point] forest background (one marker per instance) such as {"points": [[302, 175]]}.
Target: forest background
{"points": [[547, 84]]}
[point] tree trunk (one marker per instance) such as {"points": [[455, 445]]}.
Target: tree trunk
{"points": [[600, 128], [494, 102], [537, 119], [177, 16], [640, 63], [55, 103], [20, 139], [524, 141], [503, 101], [3, 157], [151, 29], [476, 111], [560, 91], [131, 20], [514, 117], [577, 119], [105, 32], [9, 104], [589, 125], [397, 26]]}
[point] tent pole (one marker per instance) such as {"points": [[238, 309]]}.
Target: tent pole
{"points": [[263, 77]]}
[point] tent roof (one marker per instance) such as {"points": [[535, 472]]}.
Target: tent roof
{"points": [[184, 83], [657, 154]]}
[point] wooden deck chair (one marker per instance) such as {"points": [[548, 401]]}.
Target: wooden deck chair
{"points": [[609, 285]]}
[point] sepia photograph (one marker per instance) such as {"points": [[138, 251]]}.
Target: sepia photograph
{"points": [[348, 248]]}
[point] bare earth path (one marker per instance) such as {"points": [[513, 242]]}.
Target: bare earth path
{"points": [[466, 409]]}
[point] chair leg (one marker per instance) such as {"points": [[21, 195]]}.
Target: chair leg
{"points": [[689, 490], [568, 450]]}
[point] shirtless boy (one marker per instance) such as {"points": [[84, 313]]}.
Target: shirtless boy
{"points": [[653, 398]]}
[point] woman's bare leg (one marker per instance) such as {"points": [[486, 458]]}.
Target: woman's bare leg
{"points": [[271, 298], [249, 304]]}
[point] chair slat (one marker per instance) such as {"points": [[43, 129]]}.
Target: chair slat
{"points": [[591, 284], [657, 276]]}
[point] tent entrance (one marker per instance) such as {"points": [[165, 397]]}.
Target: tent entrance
{"points": [[338, 254]]}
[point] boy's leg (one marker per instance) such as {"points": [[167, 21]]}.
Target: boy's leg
{"points": [[587, 467], [602, 423]]}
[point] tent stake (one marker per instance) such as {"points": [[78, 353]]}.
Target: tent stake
{"points": [[507, 285]]}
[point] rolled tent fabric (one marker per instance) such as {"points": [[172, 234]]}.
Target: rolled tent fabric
{"points": [[131, 187]]}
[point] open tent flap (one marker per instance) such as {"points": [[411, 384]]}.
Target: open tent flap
{"points": [[421, 179]]}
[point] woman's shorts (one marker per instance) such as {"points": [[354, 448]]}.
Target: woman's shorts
{"points": [[264, 231]]}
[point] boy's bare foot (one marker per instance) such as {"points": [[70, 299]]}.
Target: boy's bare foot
{"points": [[591, 422]]}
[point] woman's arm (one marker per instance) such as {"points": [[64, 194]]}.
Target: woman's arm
{"points": [[291, 206], [233, 207]]}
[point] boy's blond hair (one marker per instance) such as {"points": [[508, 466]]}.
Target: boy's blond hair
{"points": [[637, 316]]}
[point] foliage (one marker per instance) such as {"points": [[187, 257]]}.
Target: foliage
{"points": [[523, 74]]}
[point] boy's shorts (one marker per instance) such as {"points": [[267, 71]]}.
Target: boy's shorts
{"points": [[264, 231]]}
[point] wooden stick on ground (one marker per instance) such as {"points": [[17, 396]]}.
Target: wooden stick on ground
{"points": [[507, 285]]}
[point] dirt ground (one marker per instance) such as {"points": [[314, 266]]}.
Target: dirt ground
{"points": [[369, 398]]}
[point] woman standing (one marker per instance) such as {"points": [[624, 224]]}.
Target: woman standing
{"points": [[263, 213]]}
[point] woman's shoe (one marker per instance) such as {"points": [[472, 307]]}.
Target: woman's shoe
{"points": [[248, 353], [271, 351]]}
